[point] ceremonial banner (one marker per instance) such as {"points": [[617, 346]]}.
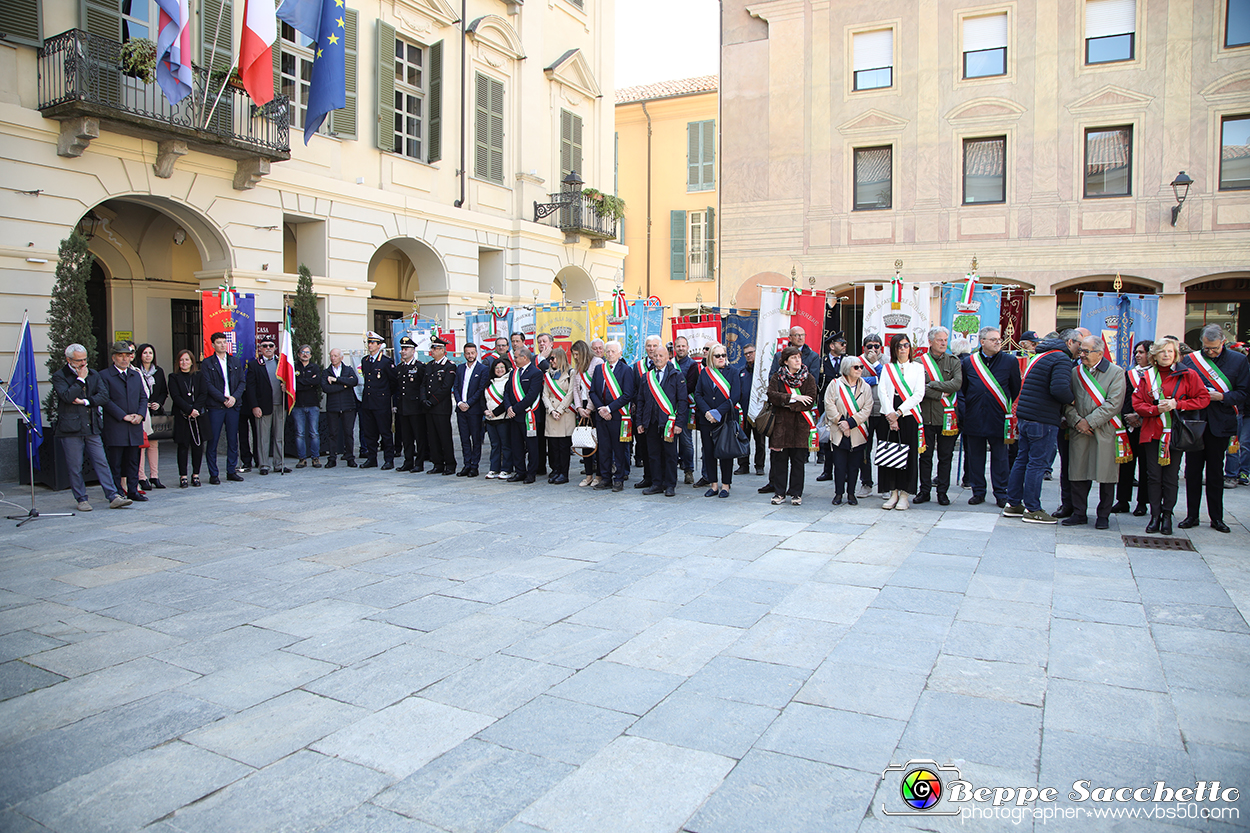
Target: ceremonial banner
{"points": [[523, 322], [967, 319], [477, 329], [238, 323], [1014, 303], [774, 333], [911, 318], [738, 330], [566, 325], [645, 319], [699, 330], [1121, 321]]}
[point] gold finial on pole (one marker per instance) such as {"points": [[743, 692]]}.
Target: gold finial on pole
{"points": [[1118, 283], [794, 277]]}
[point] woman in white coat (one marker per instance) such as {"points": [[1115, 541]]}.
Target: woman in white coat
{"points": [[901, 387]]}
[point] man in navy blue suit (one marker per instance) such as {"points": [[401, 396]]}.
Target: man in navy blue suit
{"points": [[521, 404], [612, 394], [665, 409], [226, 384], [468, 394], [124, 410]]}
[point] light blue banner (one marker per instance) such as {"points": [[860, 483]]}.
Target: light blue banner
{"points": [[1121, 321], [984, 311]]}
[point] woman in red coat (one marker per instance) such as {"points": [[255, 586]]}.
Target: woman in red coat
{"points": [[1165, 388]]}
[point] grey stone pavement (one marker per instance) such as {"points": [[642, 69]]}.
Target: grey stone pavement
{"points": [[352, 650]]}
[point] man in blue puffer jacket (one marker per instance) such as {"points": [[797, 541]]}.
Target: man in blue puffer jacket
{"points": [[1044, 390]]}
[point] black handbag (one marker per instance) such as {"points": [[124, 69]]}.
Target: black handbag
{"points": [[728, 441], [1187, 434]]}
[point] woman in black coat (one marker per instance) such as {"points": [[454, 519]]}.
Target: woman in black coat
{"points": [[715, 395], [158, 390], [189, 395]]}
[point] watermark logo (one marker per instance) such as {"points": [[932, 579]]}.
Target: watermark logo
{"points": [[922, 787]]}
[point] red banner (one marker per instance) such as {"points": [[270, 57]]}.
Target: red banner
{"points": [[698, 330]]}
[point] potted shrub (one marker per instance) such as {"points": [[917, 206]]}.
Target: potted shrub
{"points": [[139, 59]]}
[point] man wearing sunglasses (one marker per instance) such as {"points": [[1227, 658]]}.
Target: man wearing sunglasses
{"points": [[1226, 375]]}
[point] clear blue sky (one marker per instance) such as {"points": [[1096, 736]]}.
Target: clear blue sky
{"points": [[662, 40]]}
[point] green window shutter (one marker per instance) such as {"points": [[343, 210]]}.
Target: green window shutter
{"points": [[566, 143], [481, 126], [577, 146], [709, 155], [677, 234], [101, 17], [277, 63], [709, 234], [434, 104], [216, 42], [694, 143], [20, 22], [496, 130], [343, 121], [386, 86]]}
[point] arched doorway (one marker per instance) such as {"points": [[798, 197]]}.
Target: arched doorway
{"points": [[1068, 297], [404, 271], [573, 285], [1223, 300]]}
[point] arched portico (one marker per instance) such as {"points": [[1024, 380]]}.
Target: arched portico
{"points": [[573, 285]]}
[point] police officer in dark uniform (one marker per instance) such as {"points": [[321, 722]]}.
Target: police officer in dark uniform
{"points": [[375, 404], [409, 412], [439, 379]]}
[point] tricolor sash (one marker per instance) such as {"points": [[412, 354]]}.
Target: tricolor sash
{"points": [[867, 365], [1031, 363], [1165, 441], [613, 386], [849, 404], [970, 285], [519, 393], [900, 383], [585, 379], [495, 392], [809, 416], [950, 417], [553, 387], [666, 404], [1212, 376], [718, 379], [1123, 451], [1011, 430]]}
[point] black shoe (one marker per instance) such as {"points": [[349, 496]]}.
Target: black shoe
{"points": [[448, 471], [1119, 508], [766, 488], [943, 500], [851, 500], [145, 485], [138, 497], [264, 470], [690, 477], [284, 469], [1076, 520], [701, 482], [1102, 523], [214, 480], [156, 484], [1139, 512], [386, 466], [332, 462], [653, 490], [403, 467], [559, 480], [837, 500], [435, 470], [1219, 526], [195, 481], [367, 464], [759, 472], [351, 464], [1189, 523], [235, 477], [618, 485], [1165, 526], [1047, 476], [245, 468], [1063, 512], [670, 492], [643, 484], [464, 472], [1002, 503], [473, 473], [527, 481], [515, 478], [742, 470], [976, 500], [1153, 526], [923, 497], [603, 486], [822, 477], [183, 483]]}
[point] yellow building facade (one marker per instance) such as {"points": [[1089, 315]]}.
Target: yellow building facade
{"points": [[667, 172]]}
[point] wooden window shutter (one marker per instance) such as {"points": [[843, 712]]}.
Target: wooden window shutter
{"points": [[386, 86], [566, 143], [277, 63], [481, 126], [694, 143], [677, 250], [343, 121], [434, 104], [577, 146], [101, 17], [21, 22], [708, 154], [496, 130], [709, 235], [216, 42]]}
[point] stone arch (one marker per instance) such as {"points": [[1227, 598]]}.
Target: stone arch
{"points": [[576, 285], [420, 269], [1132, 283], [208, 239], [747, 295]]}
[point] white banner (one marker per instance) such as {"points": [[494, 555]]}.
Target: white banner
{"points": [[523, 322], [910, 319], [773, 330]]}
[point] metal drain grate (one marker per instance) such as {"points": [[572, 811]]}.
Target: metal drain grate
{"points": [[1150, 542]]}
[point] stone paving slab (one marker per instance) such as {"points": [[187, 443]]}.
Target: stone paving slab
{"points": [[612, 663]]}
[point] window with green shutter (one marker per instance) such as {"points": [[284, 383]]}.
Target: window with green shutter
{"points": [[488, 129], [216, 33], [387, 49], [434, 103], [22, 22], [570, 144], [701, 155], [677, 245], [343, 121], [293, 63], [410, 96]]}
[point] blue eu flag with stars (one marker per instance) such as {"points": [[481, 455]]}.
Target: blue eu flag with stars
{"points": [[24, 388], [324, 21]]}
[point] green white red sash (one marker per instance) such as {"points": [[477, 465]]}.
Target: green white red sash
{"points": [[553, 387], [810, 417], [718, 379], [850, 405], [496, 391], [1212, 376], [585, 378], [950, 417], [614, 388], [519, 394], [1165, 441], [1091, 385], [867, 365], [1011, 430], [666, 404], [1031, 363], [970, 285], [900, 383]]}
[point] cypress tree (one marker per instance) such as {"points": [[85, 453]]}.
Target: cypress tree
{"points": [[305, 321], [69, 315]]}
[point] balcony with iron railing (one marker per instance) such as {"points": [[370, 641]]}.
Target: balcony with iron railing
{"points": [[83, 86], [575, 213]]}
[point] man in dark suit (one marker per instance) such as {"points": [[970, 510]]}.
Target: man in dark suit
{"points": [[991, 383], [339, 382], [468, 395], [612, 394], [80, 393], [376, 405], [226, 386], [436, 387], [123, 419], [690, 369], [525, 386], [665, 409], [639, 371], [409, 412]]}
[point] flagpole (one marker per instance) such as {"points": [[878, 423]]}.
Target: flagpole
{"points": [[221, 8]]}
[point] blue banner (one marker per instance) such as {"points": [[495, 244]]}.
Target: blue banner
{"points": [[738, 330], [245, 328], [642, 322], [967, 321], [1121, 321]]}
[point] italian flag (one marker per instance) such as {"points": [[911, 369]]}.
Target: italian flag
{"points": [[286, 364], [260, 30]]}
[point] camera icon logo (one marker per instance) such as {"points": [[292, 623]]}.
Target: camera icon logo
{"points": [[921, 787]]}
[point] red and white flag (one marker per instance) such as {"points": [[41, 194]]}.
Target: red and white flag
{"points": [[173, 49], [260, 30], [286, 366]]}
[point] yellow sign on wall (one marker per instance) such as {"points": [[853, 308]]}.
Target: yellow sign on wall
{"points": [[123, 335]]}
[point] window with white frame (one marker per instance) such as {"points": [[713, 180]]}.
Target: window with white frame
{"points": [[873, 55], [297, 62], [985, 170], [1110, 31], [409, 98], [874, 178], [985, 46], [1109, 161], [139, 19], [698, 240], [1236, 23]]}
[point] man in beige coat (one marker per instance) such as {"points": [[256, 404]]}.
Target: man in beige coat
{"points": [[1096, 434]]}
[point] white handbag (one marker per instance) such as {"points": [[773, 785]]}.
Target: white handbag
{"points": [[584, 436]]}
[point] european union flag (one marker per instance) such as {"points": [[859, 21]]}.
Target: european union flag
{"points": [[327, 89], [24, 388]]}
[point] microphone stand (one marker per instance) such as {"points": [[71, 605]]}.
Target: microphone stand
{"points": [[34, 513]]}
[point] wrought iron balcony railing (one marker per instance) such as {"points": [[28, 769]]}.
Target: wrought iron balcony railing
{"points": [[80, 75], [575, 213]]}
